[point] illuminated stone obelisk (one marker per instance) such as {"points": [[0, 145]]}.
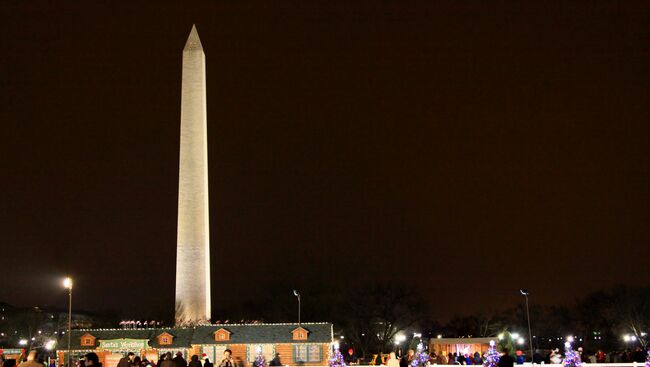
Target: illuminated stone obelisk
{"points": [[193, 242]]}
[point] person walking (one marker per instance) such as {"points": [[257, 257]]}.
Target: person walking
{"points": [[556, 357], [227, 360], [92, 359], [31, 361], [276, 360], [407, 359], [506, 359], [166, 360], [477, 358], [126, 361], [179, 360], [350, 358], [194, 361], [442, 359], [392, 360]]}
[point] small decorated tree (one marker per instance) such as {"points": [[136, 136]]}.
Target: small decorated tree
{"points": [[571, 358], [492, 356], [421, 358], [337, 358], [260, 360]]}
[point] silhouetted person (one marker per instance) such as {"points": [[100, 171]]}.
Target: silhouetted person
{"points": [[207, 363], [276, 360], [179, 360], [451, 359], [194, 361], [92, 360], [350, 358], [166, 360], [506, 359], [407, 359], [126, 361]]}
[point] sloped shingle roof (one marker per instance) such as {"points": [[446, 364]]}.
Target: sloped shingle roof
{"points": [[264, 333], [182, 337], [185, 337]]}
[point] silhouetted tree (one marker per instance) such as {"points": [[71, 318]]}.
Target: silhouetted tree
{"points": [[375, 314]]}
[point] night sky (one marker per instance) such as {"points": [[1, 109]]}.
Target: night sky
{"points": [[462, 147]]}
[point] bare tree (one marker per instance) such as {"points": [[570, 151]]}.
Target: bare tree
{"points": [[631, 308], [376, 314]]}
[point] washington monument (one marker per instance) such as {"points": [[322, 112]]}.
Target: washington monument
{"points": [[193, 242]]}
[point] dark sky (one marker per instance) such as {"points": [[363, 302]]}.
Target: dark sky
{"points": [[464, 147]]}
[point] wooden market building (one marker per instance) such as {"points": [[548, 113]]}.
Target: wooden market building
{"points": [[304, 344], [461, 346]]}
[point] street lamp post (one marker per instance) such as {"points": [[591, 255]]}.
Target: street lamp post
{"points": [[524, 292], [295, 293], [67, 283]]}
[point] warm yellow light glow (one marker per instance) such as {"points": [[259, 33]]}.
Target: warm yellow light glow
{"points": [[67, 283]]}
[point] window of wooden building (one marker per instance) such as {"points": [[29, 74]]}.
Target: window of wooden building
{"points": [[165, 339], [87, 340], [303, 353], [300, 334], [222, 335]]}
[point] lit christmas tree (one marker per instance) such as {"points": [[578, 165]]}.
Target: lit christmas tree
{"points": [[337, 357], [260, 360], [421, 358], [492, 356], [571, 358]]}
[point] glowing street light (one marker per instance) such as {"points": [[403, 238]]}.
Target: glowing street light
{"points": [[22, 342], [50, 344], [399, 339], [295, 293], [525, 292], [520, 341], [67, 284], [629, 338]]}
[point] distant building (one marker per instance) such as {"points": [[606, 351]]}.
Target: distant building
{"points": [[304, 344], [459, 345]]}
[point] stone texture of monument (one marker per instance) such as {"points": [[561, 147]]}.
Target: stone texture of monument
{"points": [[193, 242]]}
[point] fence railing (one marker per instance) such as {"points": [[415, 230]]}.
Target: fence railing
{"points": [[527, 364]]}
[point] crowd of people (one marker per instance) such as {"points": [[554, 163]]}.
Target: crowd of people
{"points": [[475, 358], [553, 356], [168, 360]]}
